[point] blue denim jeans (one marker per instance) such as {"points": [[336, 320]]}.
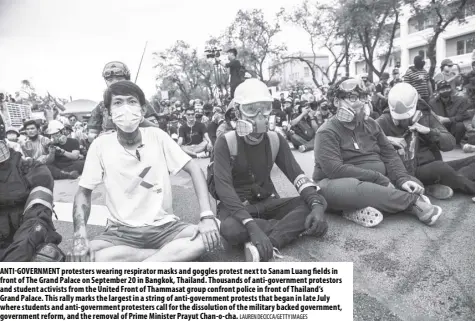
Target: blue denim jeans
{"points": [[282, 219]]}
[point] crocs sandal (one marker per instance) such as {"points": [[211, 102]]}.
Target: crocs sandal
{"points": [[367, 217]]}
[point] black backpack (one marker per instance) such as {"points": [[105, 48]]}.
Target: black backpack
{"points": [[232, 143]]}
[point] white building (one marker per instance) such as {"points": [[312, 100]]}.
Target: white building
{"points": [[455, 43]]}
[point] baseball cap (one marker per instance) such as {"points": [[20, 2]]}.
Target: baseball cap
{"points": [[252, 91], [447, 62]]}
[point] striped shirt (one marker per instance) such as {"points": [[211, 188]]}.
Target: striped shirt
{"points": [[419, 80]]}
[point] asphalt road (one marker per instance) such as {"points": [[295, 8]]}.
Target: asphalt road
{"points": [[403, 269]]}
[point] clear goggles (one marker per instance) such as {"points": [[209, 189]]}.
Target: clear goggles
{"points": [[352, 90], [252, 110]]}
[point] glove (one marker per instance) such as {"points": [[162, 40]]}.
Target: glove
{"points": [[261, 241], [316, 224]]}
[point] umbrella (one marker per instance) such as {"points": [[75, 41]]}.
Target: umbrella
{"points": [[79, 106]]}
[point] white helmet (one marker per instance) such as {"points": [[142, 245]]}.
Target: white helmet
{"points": [[54, 126], [402, 101], [252, 91]]}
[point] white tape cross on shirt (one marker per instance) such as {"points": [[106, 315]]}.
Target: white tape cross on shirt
{"points": [[140, 181]]}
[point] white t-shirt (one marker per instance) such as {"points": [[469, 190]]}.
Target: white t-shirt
{"points": [[138, 193]]}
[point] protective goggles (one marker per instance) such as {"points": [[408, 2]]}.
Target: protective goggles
{"points": [[114, 72], [252, 110], [351, 89]]}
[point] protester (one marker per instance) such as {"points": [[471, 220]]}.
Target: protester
{"points": [[68, 162], [37, 147], [357, 168], [303, 127], [230, 121], [369, 87], [135, 166], [100, 120], [451, 110], [419, 78], [217, 118], [235, 70], [193, 136], [381, 91], [27, 232], [249, 209], [447, 74], [396, 77], [403, 122], [323, 113], [276, 119]]}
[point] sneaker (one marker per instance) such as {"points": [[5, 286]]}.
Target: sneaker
{"points": [[367, 217], [425, 211], [74, 174], [251, 253], [302, 148], [438, 191], [467, 148]]}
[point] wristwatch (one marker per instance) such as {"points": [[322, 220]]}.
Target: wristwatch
{"points": [[316, 202]]}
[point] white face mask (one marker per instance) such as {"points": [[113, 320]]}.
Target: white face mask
{"points": [[127, 117]]}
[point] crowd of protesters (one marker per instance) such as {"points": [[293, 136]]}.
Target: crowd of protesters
{"points": [[377, 149]]}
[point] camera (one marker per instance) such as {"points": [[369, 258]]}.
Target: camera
{"points": [[212, 52]]}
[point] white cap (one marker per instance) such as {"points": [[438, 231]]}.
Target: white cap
{"points": [[54, 126], [402, 101], [252, 91]]}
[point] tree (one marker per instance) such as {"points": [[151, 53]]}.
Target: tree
{"points": [[254, 39], [440, 13], [180, 69], [325, 29], [373, 24]]}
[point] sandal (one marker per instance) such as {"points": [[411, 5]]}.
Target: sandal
{"points": [[367, 217]]}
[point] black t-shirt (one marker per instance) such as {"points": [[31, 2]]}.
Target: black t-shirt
{"points": [[235, 67], [280, 116], [70, 145], [192, 135]]}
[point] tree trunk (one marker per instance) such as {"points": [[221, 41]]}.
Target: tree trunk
{"points": [[432, 55]]}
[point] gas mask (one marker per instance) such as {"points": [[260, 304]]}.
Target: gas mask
{"points": [[253, 118], [127, 117], [445, 93], [350, 111], [352, 101], [4, 151], [59, 138]]}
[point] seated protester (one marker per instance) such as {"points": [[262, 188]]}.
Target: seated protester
{"points": [[357, 168], [68, 162], [288, 108], [276, 119], [217, 118], [193, 136], [230, 121], [80, 135], [451, 110], [249, 209], [403, 122], [323, 113], [396, 77], [200, 116], [135, 167], [36, 146], [73, 119], [447, 74], [100, 121], [12, 140], [303, 128], [26, 203], [381, 91]]}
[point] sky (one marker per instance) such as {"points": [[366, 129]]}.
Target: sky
{"points": [[62, 45]]}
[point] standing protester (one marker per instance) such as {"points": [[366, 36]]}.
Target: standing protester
{"points": [[27, 232], [193, 136], [100, 120], [235, 70], [37, 147], [250, 210], [381, 91], [451, 110], [68, 162], [448, 74], [419, 78], [403, 122], [135, 165], [357, 168]]}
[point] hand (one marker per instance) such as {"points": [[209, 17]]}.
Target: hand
{"points": [[412, 187], [80, 157], [397, 142], [315, 224], [209, 147], [208, 229], [419, 128], [82, 251], [261, 241], [444, 120], [51, 149], [306, 111]]}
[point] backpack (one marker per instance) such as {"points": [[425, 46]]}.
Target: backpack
{"points": [[13, 186], [232, 143]]}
